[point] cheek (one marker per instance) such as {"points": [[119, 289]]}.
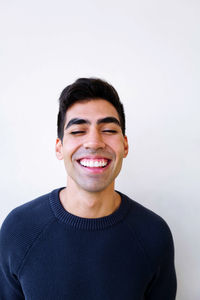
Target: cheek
{"points": [[69, 149], [70, 145], [117, 145]]}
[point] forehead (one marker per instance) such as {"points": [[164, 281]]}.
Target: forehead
{"points": [[91, 110]]}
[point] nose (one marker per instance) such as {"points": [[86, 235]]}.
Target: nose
{"points": [[94, 140]]}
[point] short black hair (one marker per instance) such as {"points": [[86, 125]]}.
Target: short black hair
{"points": [[88, 89]]}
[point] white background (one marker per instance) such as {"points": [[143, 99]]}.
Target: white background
{"points": [[149, 51]]}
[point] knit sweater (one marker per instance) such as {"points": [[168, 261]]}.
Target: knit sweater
{"points": [[49, 253]]}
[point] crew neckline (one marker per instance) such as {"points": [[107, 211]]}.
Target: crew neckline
{"points": [[87, 223]]}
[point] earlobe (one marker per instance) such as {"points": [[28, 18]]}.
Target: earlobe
{"points": [[125, 146], [58, 149]]}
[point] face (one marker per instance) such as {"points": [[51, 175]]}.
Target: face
{"points": [[93, 145]]}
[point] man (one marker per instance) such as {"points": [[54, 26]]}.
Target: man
{"points": [[87, 241]]}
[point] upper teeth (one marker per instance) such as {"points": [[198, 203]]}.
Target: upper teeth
{"points": [[93, 163]]}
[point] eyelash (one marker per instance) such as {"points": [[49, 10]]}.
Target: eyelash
{"points": [[110, 131]]}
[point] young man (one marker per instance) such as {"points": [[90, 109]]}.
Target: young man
{"points": [[87, 241]]}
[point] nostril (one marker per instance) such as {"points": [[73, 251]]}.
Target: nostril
{"points": [[94, 145]]}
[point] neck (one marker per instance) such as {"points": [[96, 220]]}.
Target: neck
{"points": [[89, 204]]}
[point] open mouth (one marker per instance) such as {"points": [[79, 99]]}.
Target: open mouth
{"points": [[94, 163]]}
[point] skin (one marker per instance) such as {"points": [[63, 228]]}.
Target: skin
{"points": [[90, 191]]}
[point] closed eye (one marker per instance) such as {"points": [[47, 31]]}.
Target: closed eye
{"points": [[77, 132], [109, 131]]}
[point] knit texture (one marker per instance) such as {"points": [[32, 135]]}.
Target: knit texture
{"points": [[49, 253]]}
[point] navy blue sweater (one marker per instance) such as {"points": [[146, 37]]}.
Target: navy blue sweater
{"points": [[48, 253]]}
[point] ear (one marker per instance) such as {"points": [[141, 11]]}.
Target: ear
{"points": [[125, 146], [58, 149]]}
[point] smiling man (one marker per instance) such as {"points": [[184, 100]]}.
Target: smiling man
{"points": [[86, 240], [93, 147]]}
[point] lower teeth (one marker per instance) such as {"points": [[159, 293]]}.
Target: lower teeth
{"points": [[92, 167]]}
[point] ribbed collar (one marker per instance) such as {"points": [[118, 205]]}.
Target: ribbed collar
{"points": [[88, 223]]}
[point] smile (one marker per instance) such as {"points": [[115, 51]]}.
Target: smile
{"points": [[94, 163]]}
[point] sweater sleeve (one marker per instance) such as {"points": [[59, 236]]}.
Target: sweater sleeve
{"points": [[10, 288], [155, 239], [19, 231], [163, 285]]}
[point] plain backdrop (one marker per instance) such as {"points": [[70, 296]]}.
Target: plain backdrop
{"points": [[149, 51]]}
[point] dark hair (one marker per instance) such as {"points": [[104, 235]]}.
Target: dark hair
{"points": [[88, 89]]}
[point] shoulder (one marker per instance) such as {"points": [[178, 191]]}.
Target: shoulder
{"points": [[151, 231], [22, 226], [32, 213]]}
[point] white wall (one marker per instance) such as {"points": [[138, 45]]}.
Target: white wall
{"points": [[149, 50]]}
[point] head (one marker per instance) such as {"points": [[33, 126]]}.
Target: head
{"points": [[88, 89], [91, 134]]}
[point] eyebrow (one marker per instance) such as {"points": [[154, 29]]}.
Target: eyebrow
{"points": [[77, 121]]}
